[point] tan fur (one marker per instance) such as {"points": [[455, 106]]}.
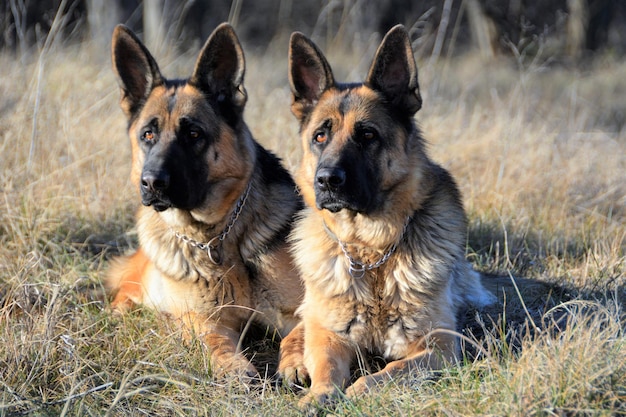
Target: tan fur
{"points": [[404, 309], [255, 278]]}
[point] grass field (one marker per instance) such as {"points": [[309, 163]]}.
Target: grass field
{"points": [[539, 152]]}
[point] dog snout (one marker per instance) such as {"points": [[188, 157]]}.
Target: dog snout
{"points": [[330, 178], [155, 182]]}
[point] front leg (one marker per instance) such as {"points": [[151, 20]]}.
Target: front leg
{"points": [[431, 354], [291, 367], [127, 279], [221, 342], [327, 356]]}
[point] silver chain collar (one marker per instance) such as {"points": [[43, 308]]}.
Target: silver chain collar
{"points": [[357, 268], [213, 246]]}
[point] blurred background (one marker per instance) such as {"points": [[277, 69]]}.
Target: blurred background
{"points": [[569, 29]]}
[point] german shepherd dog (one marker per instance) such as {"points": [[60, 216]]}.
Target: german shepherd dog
{"points": [[381, 245], [217, 207]]}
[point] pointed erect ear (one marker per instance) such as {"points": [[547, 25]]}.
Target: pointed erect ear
{"points": [[394, 72], [220, 68], [309, 74], [136, 69]]}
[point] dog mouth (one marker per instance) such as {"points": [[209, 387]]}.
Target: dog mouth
{"points": [[333, 207], [158, 204], [161, 207], [334, 203]]}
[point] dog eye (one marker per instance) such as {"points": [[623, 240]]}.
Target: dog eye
{"points": [[148, 136], [368, 135], [320, 137], [194, 134]]}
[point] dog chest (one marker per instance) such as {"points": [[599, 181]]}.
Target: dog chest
{"points": [[383, 334], [387, 327]]}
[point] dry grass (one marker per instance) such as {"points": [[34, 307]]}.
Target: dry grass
{"points": [[540, 155]]}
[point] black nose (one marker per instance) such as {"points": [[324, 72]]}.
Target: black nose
{"points": [[329, 179], [155, 182]]}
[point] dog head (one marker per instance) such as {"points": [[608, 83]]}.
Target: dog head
{"points": [[360, 141], [190, 146]]}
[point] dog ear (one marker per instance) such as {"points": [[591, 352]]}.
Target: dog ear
{"points": [[394, 72], [220, 68], [309, 74], [136, 70]]}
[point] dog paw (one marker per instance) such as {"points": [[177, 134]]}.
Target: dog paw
{"points": [[360, 387], [291, 369], [121, 305], [250, 380], [311, 403], [240, 369], [293, 376], [292, 372], [250, 375]]}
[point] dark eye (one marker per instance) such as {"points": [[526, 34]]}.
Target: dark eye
{"points": [[194, 134], [148, 136], [320, 137], [368, 135]]}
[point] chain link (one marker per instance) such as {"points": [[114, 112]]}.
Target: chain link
{"points": [[357, 269], [212, 246], [235, 215]]}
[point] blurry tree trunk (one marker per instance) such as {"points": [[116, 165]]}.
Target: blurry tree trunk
{"points": [[153, 24], [577, 20], [102, 16], [482, 29]]}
